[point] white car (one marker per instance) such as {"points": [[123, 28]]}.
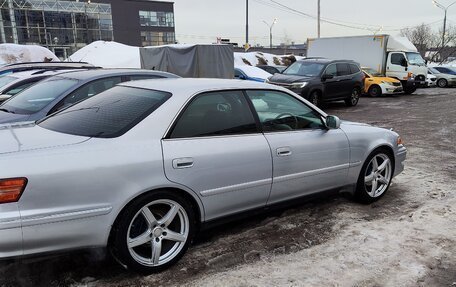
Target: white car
{"points": [[431, 80], [140, 167]]}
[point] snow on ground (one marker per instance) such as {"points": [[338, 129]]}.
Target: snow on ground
{"points": [[14, 53], [253, 72], [386, 253], [108, 55]]}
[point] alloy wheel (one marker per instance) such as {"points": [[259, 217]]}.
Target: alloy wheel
{"points": [[158, 232], [378, 175]]}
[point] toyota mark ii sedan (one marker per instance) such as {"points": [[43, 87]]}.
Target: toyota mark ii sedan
{"points": [[141, 167]]}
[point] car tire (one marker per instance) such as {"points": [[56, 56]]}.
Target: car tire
{"points": [[375, 176], [354, 98], [442, 83], [315, 98], [153, 232], [375, 91]]}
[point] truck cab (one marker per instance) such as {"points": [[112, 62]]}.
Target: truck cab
{"points": [[406, 65]]}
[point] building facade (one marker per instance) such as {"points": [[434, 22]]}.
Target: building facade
{"points": [[64, 26]]}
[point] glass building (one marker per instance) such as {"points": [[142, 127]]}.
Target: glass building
{"points": [[64, 26]]}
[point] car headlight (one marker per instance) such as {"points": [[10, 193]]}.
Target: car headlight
{"points": [[399, 141], [298, 85], [388, 83]]}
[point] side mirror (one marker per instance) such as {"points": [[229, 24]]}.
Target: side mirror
{"points": [[332, 122], [327, 77], [241, 77]]}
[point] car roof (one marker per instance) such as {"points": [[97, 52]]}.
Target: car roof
{"points": [[96, 73], [325, 60], [37, 73], [196, 85]]}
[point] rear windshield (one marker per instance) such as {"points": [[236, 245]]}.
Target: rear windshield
{"points": [[6, 80], [306, 69], [108, 114], [38, 96]]}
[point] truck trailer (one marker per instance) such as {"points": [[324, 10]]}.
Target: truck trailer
{"points": [[394, 57]]}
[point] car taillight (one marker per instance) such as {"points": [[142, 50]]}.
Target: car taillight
{"points": [[11, 189]]}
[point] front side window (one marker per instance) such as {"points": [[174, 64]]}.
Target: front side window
{"points": [[215, 114], [38, 96], [108, 114], [279, 111], [397, 59]]}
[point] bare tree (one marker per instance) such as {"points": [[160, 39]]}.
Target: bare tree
{"points": [[422, 37], [427, 40]]}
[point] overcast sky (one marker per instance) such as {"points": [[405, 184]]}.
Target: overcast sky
{"points": [[201, 21]]}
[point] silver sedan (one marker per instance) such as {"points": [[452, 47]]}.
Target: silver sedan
{"points": [[141, 167]]}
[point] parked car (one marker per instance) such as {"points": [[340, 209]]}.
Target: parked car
{"points": [[11, 85], [60, 91], [27, 66], [446, 77], [137, 167], [250, 73], [375, 84], [322, 80], [272, 69], [431, 80]]}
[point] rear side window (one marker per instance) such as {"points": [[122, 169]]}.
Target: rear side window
{"points": [[331, 70], [354, 68], [215, 114], [342, 69], [109, 114], [86, 91]]}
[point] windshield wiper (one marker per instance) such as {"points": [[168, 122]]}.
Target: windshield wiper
{"points": [[8, 111]]}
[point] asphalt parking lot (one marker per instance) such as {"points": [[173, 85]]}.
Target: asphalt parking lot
{"points": [[406, 239]]}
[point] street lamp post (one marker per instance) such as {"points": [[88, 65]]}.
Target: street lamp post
{"points": [[318, 18], [270, 31], [437, 4]]}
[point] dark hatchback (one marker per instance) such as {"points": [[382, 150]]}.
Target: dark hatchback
{"points": [[323, 80]]}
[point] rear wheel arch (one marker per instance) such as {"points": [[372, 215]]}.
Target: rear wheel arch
{"points": [[196, 207]]}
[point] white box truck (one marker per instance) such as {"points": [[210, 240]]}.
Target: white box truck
{"points": [[394, 57]]}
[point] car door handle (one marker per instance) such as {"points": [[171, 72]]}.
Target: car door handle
{"points": [[185, 162], [283, 151]]}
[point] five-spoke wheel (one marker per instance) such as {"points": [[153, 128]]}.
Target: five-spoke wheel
{"points": [[153, 232], [375, 176]]}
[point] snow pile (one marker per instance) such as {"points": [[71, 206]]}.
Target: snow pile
{"points": [[253, 72], [259, 58], [14, 53], [108, 55]]}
